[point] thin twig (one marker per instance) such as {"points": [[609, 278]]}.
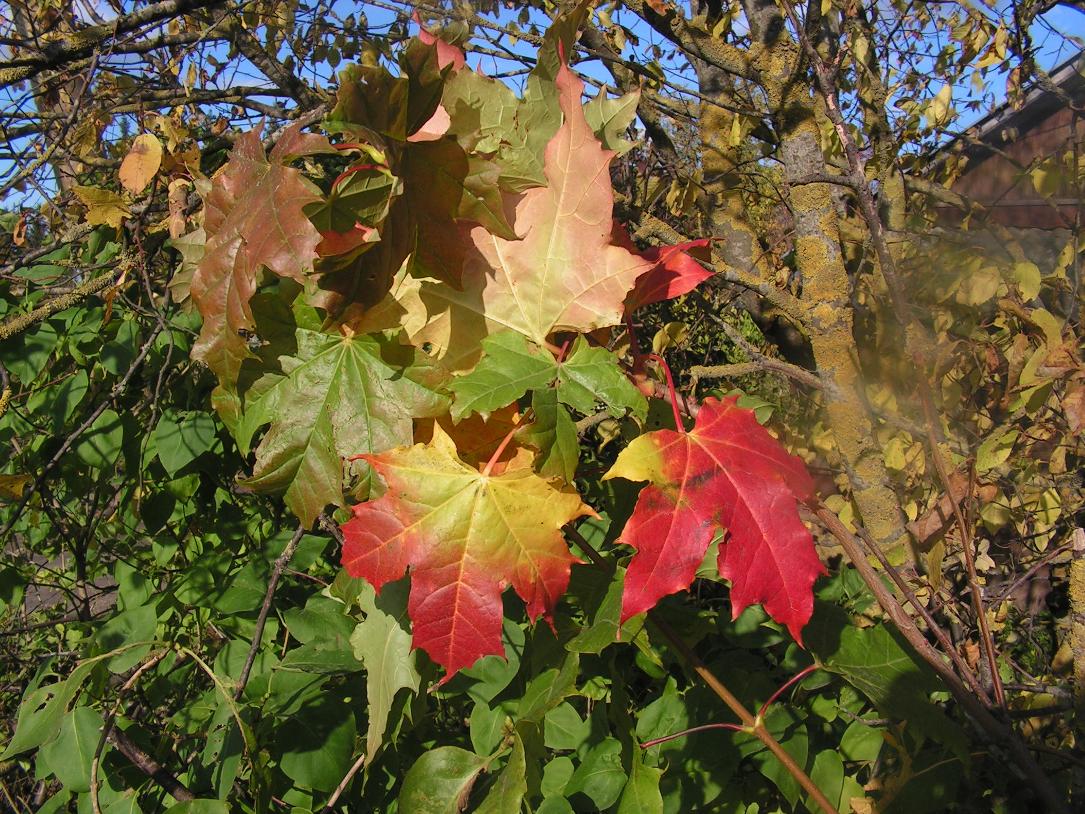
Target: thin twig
{"points": [[331, 527], [118, 388], [20, 323], [277, 569], [140, 759], [939, 633], [966, 547], [353, 770], [755, 726], [1046, 559], [799, 374], [693, 730], [149, 766], [5, 390]]}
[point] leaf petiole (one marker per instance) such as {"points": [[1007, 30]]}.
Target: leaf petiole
{"points": [[795, 679], [500, 448], [693, 730], [678, 425]]}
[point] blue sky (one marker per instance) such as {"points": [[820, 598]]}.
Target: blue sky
{"points": [[1053, 36]]}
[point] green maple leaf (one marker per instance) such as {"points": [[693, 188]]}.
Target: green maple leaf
{"points": [[511, 367], [382, 643], [553, 434], [610, 118], [486, 117], [333, 397]]}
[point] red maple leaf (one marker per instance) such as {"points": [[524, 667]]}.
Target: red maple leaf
{"points": [[726, 472], [465, 535], [674, 272]]}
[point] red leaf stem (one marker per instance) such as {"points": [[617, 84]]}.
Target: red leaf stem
{"points": [[351, 170], [678, 425], [795, 679], [500, 448], [691, 731]]}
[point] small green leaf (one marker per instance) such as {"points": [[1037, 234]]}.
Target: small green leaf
{"points": [[482, 201], [27, 354], [491, 674], [995, 450], [57, 803], [600, 597], [509, 368], [317, 745], [382, 642], [70, 754], [486, 727], [179, 442], [59, 401], [118, 354], [641, 793], [610, 118], [828, 776], [873, 661], [564, 728], [440, 781], [592, 375], [129, 627], [314, 658], [861, 742], [556, 775], [600, 776], [553, 434], [199, 807], [321, 621], [554, 805], [43, 710], [101, 443], [508, 790], [546, 690]]}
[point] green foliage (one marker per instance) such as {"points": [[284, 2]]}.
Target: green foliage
{"points": [[171, 584]]}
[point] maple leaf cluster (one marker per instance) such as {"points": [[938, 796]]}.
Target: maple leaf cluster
{"points": [[469, 234]]}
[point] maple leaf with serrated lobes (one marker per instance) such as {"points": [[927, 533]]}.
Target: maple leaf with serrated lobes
{"points": [[727, 471], [564, 273], [465, 535], [254, 218], [336, 395], [511, 367]]}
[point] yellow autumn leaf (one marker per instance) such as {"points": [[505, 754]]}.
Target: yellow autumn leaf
{"points": [[1049, 324], [142, 162], [979, 286], [671, 335], [995, 450], [103, 206], [12, 486], [894, 453], [1027, 277], [939, 110]]}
